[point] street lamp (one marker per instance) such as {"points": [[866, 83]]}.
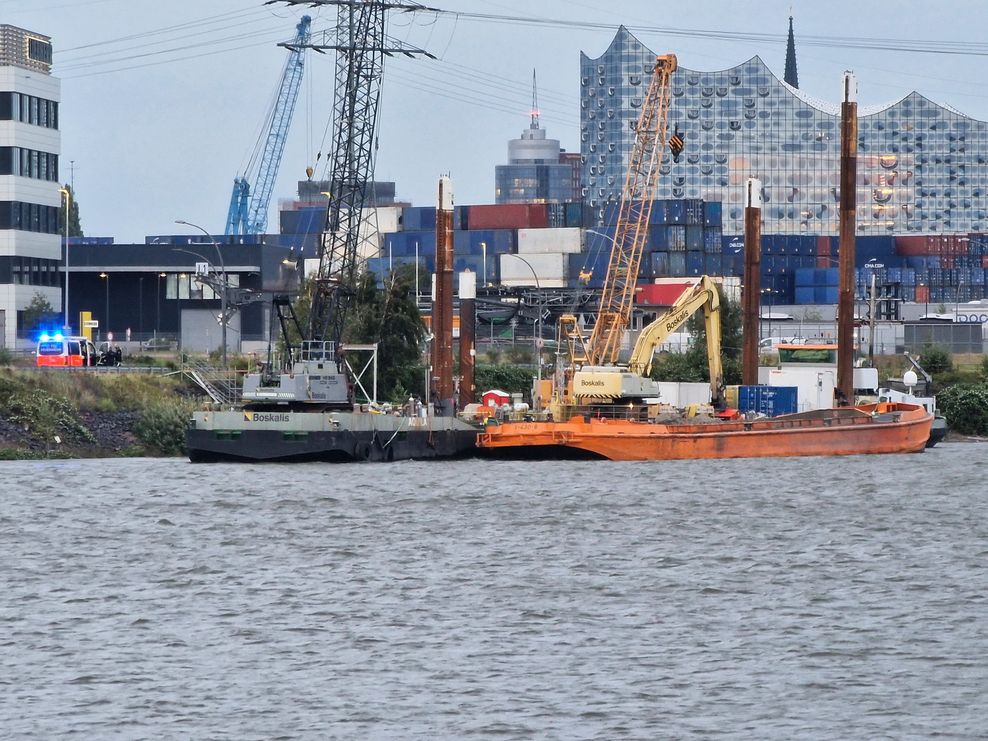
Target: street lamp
{"points": [[68, 204], [768, 292], [536, 333], [223, 291], [157, 314], [106, 316]]}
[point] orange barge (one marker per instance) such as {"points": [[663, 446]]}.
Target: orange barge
{"points": [[885, 427]]}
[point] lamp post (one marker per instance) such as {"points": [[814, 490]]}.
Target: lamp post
{"points": [[223, 291], [157, 313], [768, 292], [140, 305], [68, 204], [106, 315], [483, 251], [536, 334]]}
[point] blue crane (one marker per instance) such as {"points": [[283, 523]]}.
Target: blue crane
{"points": [[248, 212]]}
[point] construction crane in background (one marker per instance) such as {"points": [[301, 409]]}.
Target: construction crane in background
{"points": [[251, 197]]}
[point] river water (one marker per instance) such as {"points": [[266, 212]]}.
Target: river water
{"points": [[757, 599]]}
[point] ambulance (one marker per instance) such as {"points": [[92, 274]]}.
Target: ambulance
{"points": [[58, 350]]}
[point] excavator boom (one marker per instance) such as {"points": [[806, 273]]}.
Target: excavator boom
{"points": [[703, 296]]}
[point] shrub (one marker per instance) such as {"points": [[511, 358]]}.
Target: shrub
{"points": [[935, 360], [966, 408], [162, 428]]}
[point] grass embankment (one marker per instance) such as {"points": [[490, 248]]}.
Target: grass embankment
{"points": [[84, 414]]}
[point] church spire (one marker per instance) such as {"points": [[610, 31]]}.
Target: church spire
{"points": [[791, 77]]}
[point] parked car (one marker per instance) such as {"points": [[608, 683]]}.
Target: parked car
{"points": [[158, 344]]}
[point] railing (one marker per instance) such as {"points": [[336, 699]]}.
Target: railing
{"points": [[222, 386]]}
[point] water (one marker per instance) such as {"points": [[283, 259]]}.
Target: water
{"points": [[799, 598]]}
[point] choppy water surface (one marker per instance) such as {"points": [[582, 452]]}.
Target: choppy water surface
{"points": [[799, 598]]}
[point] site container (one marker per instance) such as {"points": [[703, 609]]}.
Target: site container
{"points": [[768, 400]]}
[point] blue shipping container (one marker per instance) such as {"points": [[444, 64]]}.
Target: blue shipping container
{"points": [[418, 218], [768, 400]]}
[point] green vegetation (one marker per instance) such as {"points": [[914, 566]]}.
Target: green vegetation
{"points": [[692, 366], [965, 406], [82, 414], [509, 378], [391, 319], [40, 313], [75, 228]]}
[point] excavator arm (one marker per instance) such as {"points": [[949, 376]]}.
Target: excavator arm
{"points": [[703, 296]]}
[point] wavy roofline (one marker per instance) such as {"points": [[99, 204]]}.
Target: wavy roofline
{"points": [[819, 104]]}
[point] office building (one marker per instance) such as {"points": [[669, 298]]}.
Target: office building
{"points": [[30, 245]]}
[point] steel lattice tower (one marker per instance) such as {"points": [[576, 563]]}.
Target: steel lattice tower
{"points": [[360, 41]]}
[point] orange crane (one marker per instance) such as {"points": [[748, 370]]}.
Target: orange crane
{"points": [[631, 233], [593, 360]]}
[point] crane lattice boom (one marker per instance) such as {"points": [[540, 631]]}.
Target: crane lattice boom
{"points": [[631, 233], [249, 203]]}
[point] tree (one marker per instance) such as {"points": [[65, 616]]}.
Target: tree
{"points": [[39, 314], [692, 366], [390, 318], [75, 228]]}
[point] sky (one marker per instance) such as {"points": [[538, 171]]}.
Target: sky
{"points": [[164, 102]]}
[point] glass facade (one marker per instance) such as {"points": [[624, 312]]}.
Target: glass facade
{"points": [[534, 184], [921, 166]]}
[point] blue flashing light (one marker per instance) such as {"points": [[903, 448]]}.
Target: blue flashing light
{"points": [[58, 337], [44, 337]]}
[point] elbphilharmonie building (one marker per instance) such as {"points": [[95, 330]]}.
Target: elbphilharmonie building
{"points": [[921, 165]]}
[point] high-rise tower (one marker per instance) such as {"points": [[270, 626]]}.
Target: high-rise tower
{"points": [[538, 171]]}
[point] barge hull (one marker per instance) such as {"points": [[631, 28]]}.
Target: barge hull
{"points": [[331, 438], [887, 428]]}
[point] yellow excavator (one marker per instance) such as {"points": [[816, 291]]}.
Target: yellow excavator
{"points": [[703, 296], [624, 386]]}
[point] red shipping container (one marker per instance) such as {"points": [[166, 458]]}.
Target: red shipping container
{"points": [[912, 246], [661, 294], [509, 216], [922, 294]]}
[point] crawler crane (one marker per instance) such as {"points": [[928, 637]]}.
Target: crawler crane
{"points": [[592, 377]]}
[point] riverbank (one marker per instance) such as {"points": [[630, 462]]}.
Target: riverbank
{"points": [[88, 414]]}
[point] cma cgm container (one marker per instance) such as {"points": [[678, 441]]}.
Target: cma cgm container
{"points": [[484, 241], [768, 400]]}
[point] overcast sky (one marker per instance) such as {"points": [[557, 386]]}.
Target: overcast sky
{"points": [[163, 102]]}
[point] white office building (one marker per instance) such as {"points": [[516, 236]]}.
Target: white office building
{"points": [[30, 241]]}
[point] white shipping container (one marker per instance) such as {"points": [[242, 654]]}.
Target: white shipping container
{"points": [[533, 270], [535, 241]]}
